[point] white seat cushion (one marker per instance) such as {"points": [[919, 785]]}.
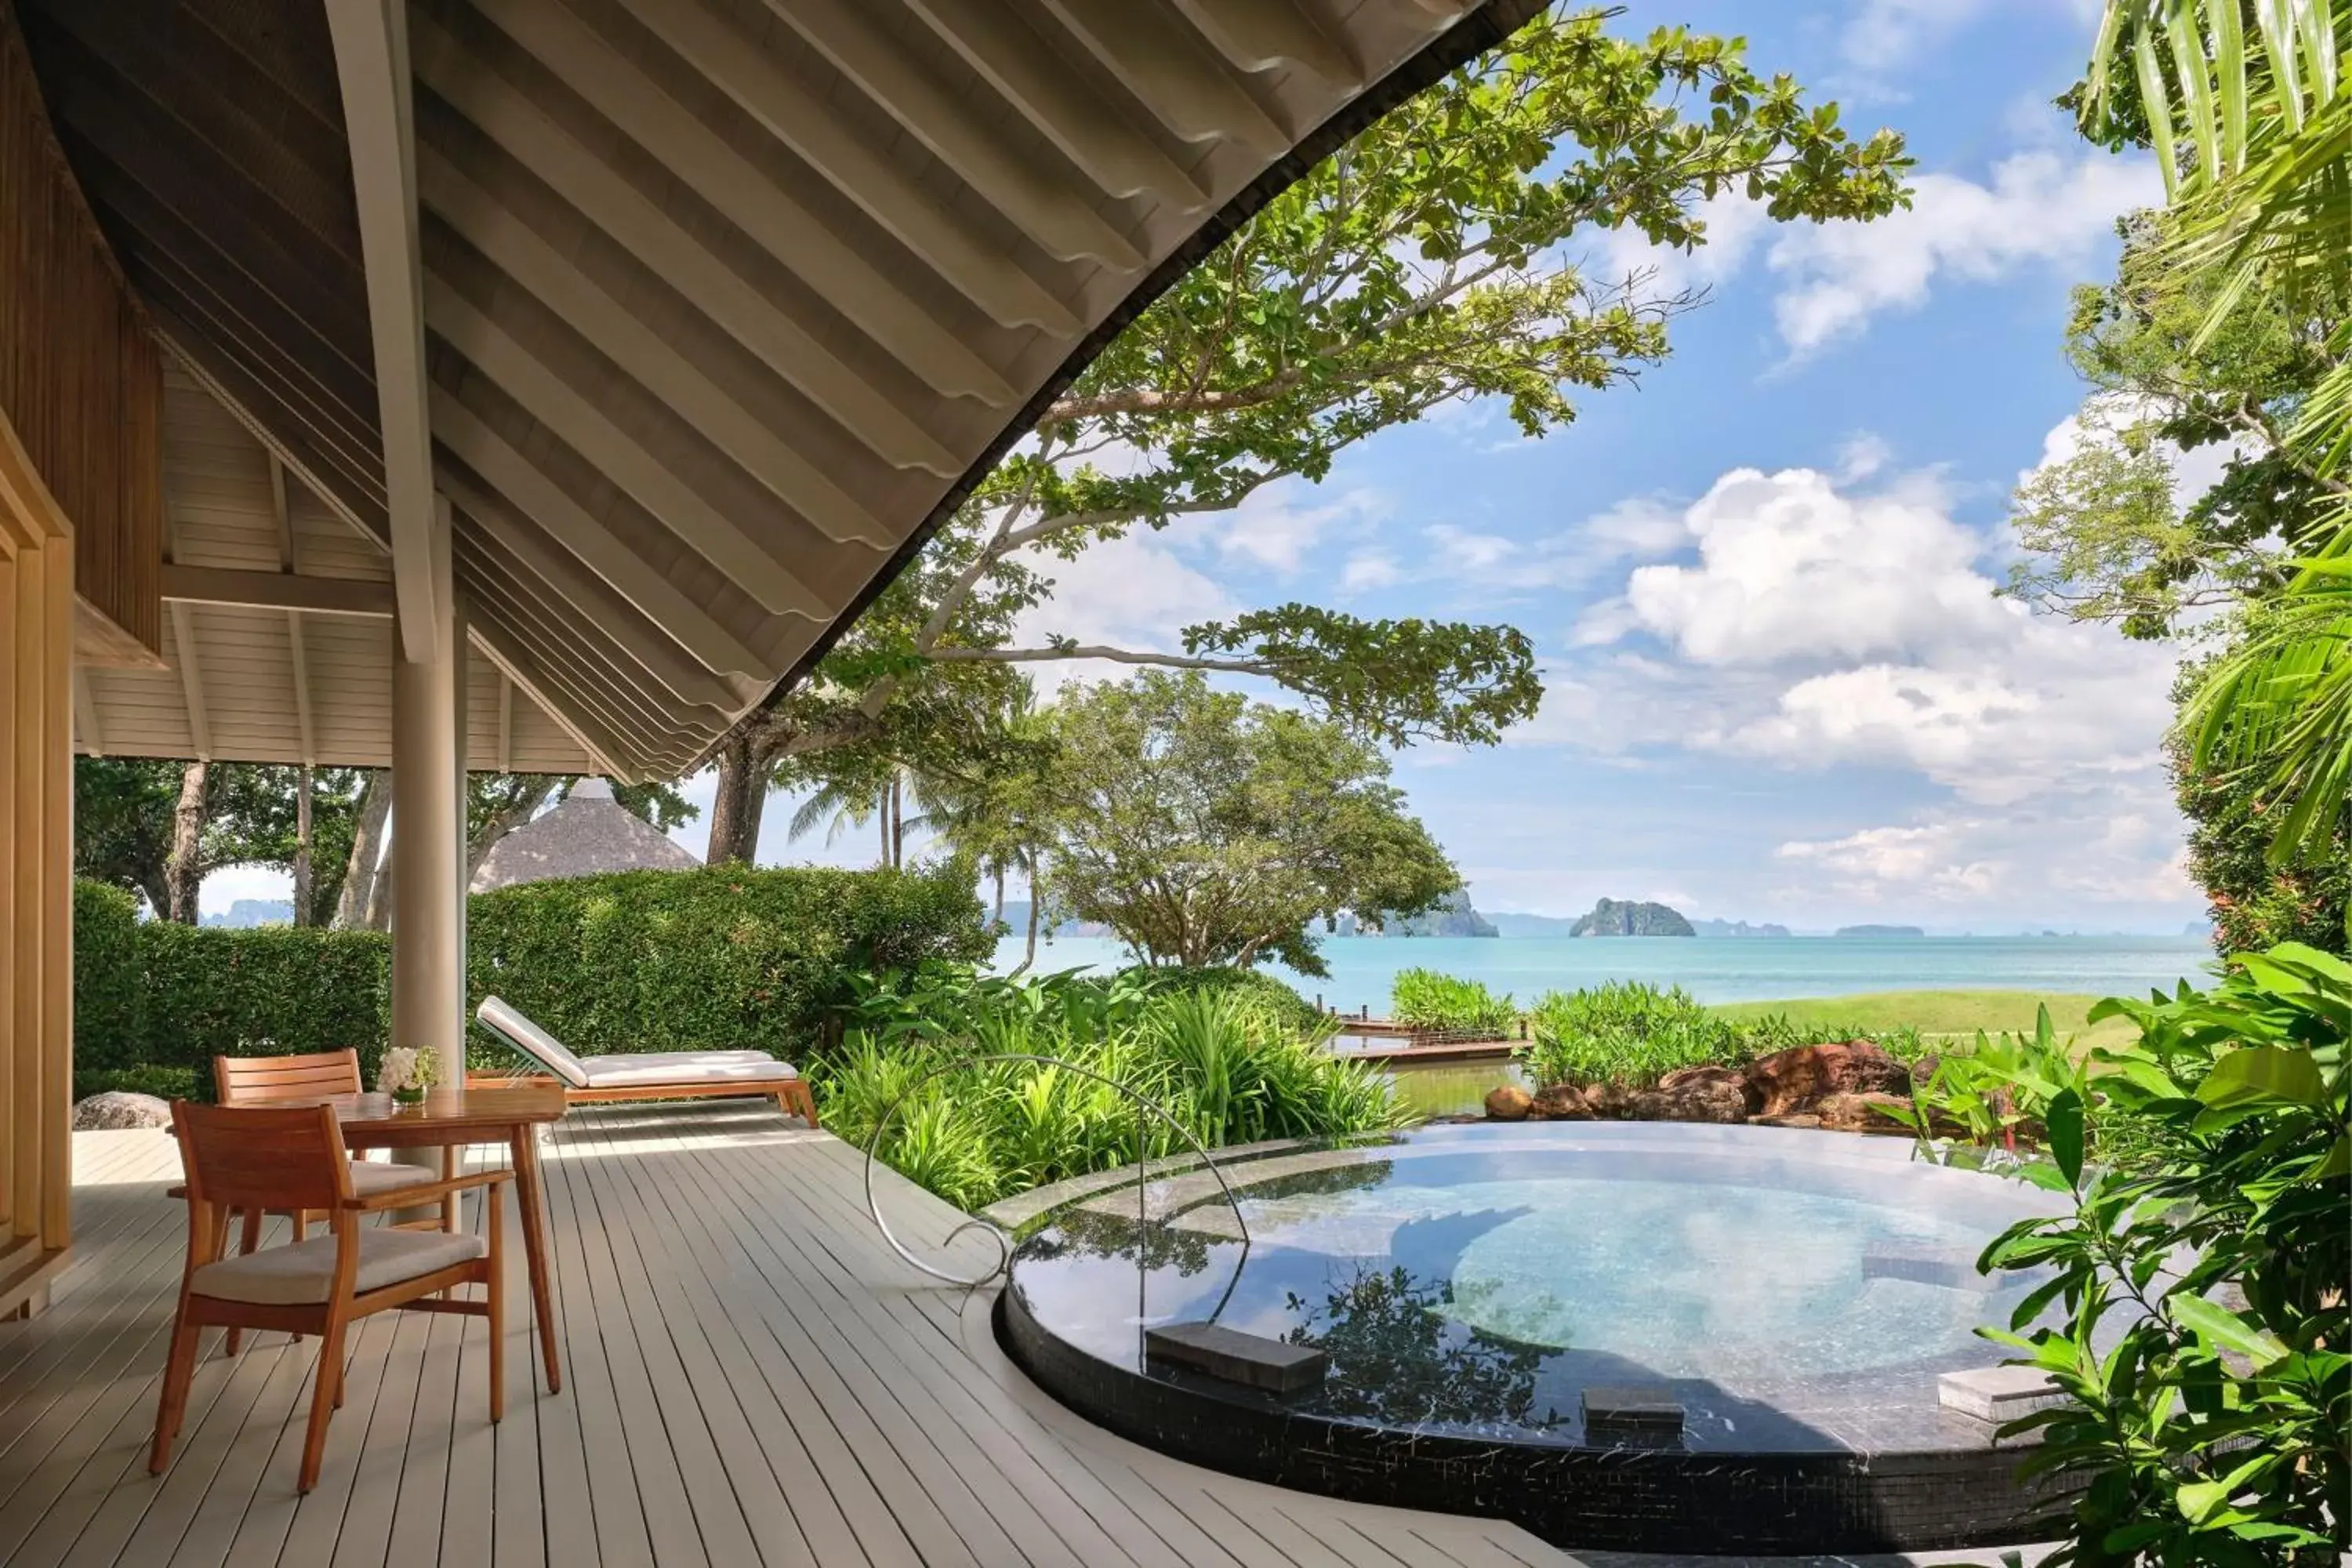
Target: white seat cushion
{"points": [[532, 1040], [686, 1068], [369, 1178], [304, 1273]]}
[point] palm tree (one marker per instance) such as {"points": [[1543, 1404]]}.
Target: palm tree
{"points": [[2253, 130]]}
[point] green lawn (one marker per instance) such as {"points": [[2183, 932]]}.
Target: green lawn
{"points": [[1941, 1013]]}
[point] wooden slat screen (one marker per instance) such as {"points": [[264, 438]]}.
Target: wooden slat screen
{"points": [[80, 377]]}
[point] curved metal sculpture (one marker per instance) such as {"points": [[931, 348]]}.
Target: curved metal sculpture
{"points": [[997, 1233]]}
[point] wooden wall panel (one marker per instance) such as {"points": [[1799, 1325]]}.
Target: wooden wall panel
{"points": [[80, 377]]}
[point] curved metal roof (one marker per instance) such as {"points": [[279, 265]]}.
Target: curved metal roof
{"points": [[723, 303]]}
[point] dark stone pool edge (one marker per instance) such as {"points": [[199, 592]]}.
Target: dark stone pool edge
{"points": [[1626, 1500]]}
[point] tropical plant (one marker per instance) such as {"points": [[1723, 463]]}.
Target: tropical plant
{"points": [[1629, 1033], [2253, 128], [1206, 829], [2201, 1264], [1227, 1065], [1431, 260], [1424, 999]]}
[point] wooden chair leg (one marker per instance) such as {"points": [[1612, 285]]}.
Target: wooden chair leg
{"points": [[323, 1400], [248, 1240], [494, 1203], [179, 1371]]}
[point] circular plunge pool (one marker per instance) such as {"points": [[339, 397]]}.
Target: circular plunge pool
{"points": [[1509, 1317]]}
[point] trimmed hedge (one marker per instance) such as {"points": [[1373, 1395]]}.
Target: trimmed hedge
{"points": [[642, 961], [718, 958]]}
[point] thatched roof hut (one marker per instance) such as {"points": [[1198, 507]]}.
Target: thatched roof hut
{"points": [[589, 834]]}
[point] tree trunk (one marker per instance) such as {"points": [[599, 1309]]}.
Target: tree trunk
{"points": [[1029, 956], [996, 915], [303, 871], [367, 851], [379, 904], [503, 823], [735, 810], [897, 824], [184, 870]]}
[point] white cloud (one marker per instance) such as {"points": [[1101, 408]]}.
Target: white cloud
{"points": [[1862, 456], [1129, 593], [2039, 210], [1273, 529], [1370, 569], [1887, 33], [1818, 626]]}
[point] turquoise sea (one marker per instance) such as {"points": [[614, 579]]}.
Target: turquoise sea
{"points": [[1739, 969]]}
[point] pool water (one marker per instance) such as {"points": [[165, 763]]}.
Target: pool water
{"points": [[1473, 1287]]}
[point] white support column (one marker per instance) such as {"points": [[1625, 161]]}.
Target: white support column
{"points": [[428, 810]]}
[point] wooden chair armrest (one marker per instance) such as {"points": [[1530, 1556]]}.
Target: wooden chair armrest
{"points": [[424, 1193]]}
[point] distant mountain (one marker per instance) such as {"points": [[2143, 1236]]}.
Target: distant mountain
{"points": [[248, 912], [1611, 917], [1883, 930], [1453, 917], [1509, 923], [1735, 928], [2198, 929]]}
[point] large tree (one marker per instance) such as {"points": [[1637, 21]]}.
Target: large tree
{"points": [[159, 828], [1440, 257], [1204, 828]]}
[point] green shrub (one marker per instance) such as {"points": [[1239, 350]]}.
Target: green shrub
{"points": [[2200, 1272], [163, 1083], [1624, 1032], [723, 957], [1424, 999], [1222, 1060], [264, 992], [1254, 983], [108, 990]]}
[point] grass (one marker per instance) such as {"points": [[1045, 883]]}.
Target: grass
{"points": [[1939, 1015]]}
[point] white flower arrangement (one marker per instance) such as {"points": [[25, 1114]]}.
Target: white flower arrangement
{"points": [[406, 1073]]}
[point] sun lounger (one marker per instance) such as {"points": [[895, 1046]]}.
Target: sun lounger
{"points": [[651, 1075]]}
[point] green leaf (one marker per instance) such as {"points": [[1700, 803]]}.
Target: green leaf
{"points": [[2263, 1074], [2064, 1121], [2218, 1325]]}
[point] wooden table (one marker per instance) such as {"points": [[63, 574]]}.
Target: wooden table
{"points": [[511, 1115]]}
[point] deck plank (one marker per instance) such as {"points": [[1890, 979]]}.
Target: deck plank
{"points": [[753, 1379]]}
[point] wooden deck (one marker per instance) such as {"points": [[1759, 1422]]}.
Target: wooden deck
{"points": [[751, 1378]]}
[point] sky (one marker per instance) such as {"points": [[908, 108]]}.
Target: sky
{"points": [[1777, 684]]}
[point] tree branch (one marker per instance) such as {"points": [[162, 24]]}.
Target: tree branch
{"points": [[1114, 655]]}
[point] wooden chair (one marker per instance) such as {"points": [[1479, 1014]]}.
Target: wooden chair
{"points": [[273, 1080], [294, 1158]]}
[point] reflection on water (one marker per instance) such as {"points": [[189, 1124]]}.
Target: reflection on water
{"points": [[1454, 1089]]}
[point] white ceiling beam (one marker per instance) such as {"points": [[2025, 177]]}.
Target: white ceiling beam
{"points": [[584, 542], [192, 679], [582, 424], [708, 165], [1036, 197], [1005, 50], [93, 739], [686, 263], [279, 591], [1173, 72], [280, 512], [299, 649], [1266, 35], [371, 42], [655, 361]]}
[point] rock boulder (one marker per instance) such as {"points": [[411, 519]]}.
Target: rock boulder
{"points": [[1714, 1081], [1802, 1076], [1863, 1112], [1562, 1102], [1698, 1099], [115, 1109], [1508, 1103]]}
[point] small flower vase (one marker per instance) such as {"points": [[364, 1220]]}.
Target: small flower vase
{"points": [[414, 1094]]}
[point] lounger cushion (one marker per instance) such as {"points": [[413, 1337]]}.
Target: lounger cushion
{"points": [[654, 1068], [534, 1040], [305, 1272]]}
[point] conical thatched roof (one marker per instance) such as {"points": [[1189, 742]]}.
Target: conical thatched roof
{"points": [[589, 834]]}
